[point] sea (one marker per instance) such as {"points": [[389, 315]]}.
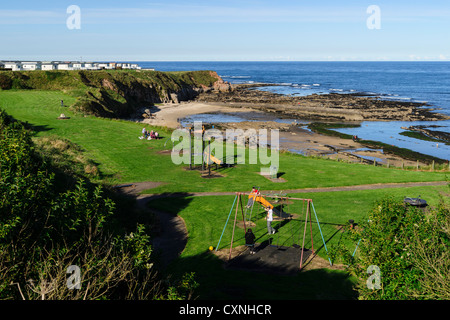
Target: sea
{"points": [[416, 81]]}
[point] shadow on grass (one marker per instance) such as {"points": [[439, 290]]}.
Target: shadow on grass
{"points": [[216, 282], [276, 280], [35, 129]]}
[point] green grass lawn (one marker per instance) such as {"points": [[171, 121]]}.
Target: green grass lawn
{"points": [[123, 158], [206, 217]]}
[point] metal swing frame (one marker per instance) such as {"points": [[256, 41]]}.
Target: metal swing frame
{"points": [[308, 216]]}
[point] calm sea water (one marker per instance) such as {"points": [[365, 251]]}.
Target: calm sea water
{"points": [[403, 81]]}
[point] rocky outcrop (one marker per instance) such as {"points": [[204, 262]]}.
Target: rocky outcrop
{"points": [[435, 134], [339, 107], [122, 94]]}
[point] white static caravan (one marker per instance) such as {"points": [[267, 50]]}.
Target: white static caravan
{"points": [[30, 66], [14, 66], [46, 66], [103, 66], [63, 66]]}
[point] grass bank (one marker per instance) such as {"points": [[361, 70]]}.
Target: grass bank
{"points": [[112, 93]]}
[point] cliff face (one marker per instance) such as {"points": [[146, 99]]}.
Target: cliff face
{"points": [[118, 93]]}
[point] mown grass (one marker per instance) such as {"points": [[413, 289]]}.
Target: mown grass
{"points": [[207, 216], [121, 157], [110, 93]]}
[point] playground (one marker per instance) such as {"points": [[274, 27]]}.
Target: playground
{"points": [[280, 254], [202, 206]]}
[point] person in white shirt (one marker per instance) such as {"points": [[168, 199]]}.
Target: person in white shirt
{"points": [[269, 219]]}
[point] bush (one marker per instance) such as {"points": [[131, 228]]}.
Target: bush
{"points": [[410, 248], [46, 226]]}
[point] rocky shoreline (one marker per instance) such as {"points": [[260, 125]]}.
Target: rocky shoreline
{"points": [[326, 107], [262, 107], [433, 134]]}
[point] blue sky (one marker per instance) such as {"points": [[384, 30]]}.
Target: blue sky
{"points": [[225, 30]]}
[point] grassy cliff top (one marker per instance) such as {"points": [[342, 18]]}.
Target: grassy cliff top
{"points": [[113, 93], [76, 79]]}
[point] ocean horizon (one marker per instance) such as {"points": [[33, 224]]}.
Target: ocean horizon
{"points": [[423, 81]]}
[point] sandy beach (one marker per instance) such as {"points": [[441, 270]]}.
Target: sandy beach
{"points": [[292, 137], [169, 114]]}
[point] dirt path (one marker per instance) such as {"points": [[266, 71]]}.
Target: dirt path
{"points": [[138, 186]]}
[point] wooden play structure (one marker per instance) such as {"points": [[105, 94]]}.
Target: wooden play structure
{"points": [[202, 150]]}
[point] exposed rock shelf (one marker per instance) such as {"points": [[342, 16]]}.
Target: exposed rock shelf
{"points": [[333, 106]]}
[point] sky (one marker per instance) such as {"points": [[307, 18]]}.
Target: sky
{"points": [[231, 30]]}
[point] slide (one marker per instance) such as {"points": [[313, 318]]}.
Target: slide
{"points": [[262, 200], [214, 159]]}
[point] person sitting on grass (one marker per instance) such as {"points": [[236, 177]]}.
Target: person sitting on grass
{"points": [[153, 135], [250, 240]]}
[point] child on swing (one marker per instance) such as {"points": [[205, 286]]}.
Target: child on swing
{"points": [[250, 240]]}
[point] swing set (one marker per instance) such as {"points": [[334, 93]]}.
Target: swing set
{"points": [[283, 212]]}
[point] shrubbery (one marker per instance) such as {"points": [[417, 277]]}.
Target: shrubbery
{"points": [[410, 248], [46, 226]]}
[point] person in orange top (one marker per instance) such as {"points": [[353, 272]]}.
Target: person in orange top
{"points": [[252, 197]]}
